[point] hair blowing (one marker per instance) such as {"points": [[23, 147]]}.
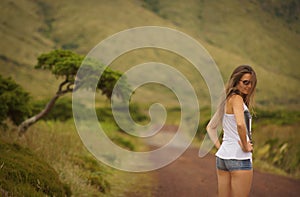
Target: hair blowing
{"points": [[235, 78], [232, 89]]}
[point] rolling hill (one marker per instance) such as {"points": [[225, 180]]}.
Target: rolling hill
{"points": [[234, 32], [264, 34]]}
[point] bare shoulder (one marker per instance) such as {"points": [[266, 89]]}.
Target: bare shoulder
{"points": [[236, 103], [235, 99], [232, 102]]}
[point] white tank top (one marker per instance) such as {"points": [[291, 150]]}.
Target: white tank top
{"points": [[230, 148]]}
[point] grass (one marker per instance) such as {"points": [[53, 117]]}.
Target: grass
{"points": [[241, 33], [59, 145], [23, 173], [276, 146], [276, 141], [233, 33]]}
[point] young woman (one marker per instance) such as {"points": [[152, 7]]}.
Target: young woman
{"points": [[234, 155]]}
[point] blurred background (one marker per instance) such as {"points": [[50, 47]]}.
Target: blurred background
{"points": [[262, 33]]}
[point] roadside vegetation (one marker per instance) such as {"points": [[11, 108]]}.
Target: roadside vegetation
{"points": [[264, 34], [275, 139], [55, 145], [276, 142]]}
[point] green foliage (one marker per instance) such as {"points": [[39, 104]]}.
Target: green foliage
{"points": [[152, 5], [279, 117], [62, 63], [65, 64], [95, 172], [214, 19], [205, 116], [98, 181], [14, 101], [136, 113], [274, 151], [62, 110], [121, 141], [230, 46], [105, 114], [107, 82], [202, 127], [24, 174], [276, 141]]}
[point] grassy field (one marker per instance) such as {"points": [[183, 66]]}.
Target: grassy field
{"points": [[239, 34], [59, 144], [262, 34]]}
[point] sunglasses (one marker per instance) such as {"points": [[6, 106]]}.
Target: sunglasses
{"points": [[246, 82]]}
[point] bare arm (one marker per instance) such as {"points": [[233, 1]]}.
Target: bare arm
{"points": [[212, 128], [236, 102], [212, 132]]}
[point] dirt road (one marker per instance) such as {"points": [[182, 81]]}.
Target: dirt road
{"points": [[191, 176]]}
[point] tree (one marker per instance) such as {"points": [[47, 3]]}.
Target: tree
{"points": [[64, 64], [14, 102]]}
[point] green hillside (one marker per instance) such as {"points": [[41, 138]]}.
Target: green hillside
{"points": [[264, 34], [233, 32], [237, 32]]}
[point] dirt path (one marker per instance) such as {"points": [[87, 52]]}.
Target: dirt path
{"points": [[191, 176], [194, 176]]}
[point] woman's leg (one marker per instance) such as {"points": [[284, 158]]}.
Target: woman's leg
{"points": [[224, 183], [241, 181]]}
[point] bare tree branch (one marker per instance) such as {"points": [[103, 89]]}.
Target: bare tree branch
{"points": [[30, 121]]}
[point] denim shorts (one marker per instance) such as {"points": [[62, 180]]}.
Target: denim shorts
{"points": [[233, 164]]}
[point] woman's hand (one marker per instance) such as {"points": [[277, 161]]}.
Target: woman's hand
{"points": [[247, 148]]}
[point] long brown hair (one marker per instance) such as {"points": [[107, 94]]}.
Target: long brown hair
{"points": [[235, 77], [232, 89]]}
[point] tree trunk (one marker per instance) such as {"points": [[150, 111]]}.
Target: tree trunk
{"points": [[30, 121]]}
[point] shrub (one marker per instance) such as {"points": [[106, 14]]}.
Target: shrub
{"points": [[14, 102], [95, 172], [278, 117], [24, 174], [274, 151]]}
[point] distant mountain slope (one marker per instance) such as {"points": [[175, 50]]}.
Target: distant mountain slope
{"points": [[241, 27], [233, 31]]}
